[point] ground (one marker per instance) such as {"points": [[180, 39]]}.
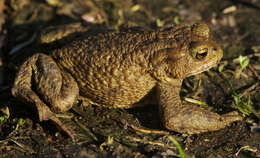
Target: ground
{"points": [[233, 85]]}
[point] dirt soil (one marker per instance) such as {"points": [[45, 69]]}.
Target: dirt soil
{"points": [[137, 133]]}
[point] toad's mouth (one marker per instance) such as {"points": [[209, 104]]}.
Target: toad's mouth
{"points": [[203, 68]]}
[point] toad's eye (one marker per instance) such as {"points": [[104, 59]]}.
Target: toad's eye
{"points": [[202, 53]]}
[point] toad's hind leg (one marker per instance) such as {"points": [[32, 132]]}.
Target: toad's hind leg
{"points": [[40, 82], [188, 118]]}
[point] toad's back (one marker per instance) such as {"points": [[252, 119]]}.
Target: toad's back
{"points": [[111, 68]]}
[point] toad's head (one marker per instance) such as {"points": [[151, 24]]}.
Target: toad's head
{"points": [[196, 54]]}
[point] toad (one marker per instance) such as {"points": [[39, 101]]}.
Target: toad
{"points": [[118, 69]]}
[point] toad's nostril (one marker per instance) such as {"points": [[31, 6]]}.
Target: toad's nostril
{"points": [[215, 49]]}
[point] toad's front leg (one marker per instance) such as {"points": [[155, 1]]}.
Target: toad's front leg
{"points": [[188, 118], [40, 82]]}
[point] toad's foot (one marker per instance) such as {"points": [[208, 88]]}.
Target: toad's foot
{"points": [[40, 82], [188, 118], [45, 114], [192, 119]]}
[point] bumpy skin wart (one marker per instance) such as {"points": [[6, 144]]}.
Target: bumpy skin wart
{"points": [[118, 69]]}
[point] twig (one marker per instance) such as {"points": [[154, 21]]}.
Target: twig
{"points": [[23, 146], [86, 129], [194, 101], [247, 147], [248, 89], [249, 56], [254, 72], [22, 45], [147, 131], [251, 4], [150, 142], [254, 85], [66, 116]]}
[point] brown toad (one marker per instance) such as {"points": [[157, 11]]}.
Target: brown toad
{"points": [[118, 69]]}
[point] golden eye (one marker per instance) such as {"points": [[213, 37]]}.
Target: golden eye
{"points": [[202, 53]]}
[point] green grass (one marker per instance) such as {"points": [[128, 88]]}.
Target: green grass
{"points": [[3, 119], [245, 107], [182, 155], [19, 123]]}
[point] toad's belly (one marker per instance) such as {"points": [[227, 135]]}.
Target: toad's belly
{"points": [[120, 91]]}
